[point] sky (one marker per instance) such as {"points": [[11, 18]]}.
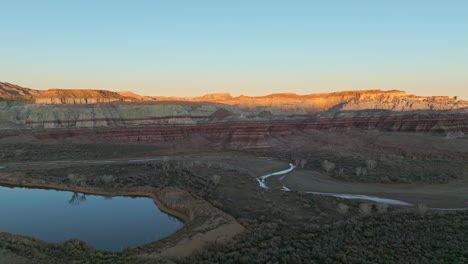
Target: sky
{"points": [[250, 47]]}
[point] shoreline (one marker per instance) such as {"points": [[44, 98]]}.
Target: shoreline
{"points": [[196, 214]]}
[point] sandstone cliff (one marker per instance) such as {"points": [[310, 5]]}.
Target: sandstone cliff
{"points": [[65, 96], [220, 119], [59, 96], [350, 100], [7, 89]]}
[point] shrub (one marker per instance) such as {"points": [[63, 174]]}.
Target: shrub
{"points": [[71, 177], [328, 165], [371, 164], [361, 171], [421, 209], [165, 163], [216, 179], [381, 207], [107, 179], [365, 208], [342, 208], [191, 215], [76, 179]]}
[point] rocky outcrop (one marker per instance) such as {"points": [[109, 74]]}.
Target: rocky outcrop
{"points": [[351, 100], [8, 89], [312, 103], [405, 103], [223, 121], [133, 95], [254, 133], [121, 114], [63, 96], [308, 103], [58, 96]]}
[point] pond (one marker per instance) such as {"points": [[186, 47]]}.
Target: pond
{"points": [[107, 223]]}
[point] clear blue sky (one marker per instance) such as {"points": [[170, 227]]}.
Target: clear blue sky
{"points": [[251, 47]]}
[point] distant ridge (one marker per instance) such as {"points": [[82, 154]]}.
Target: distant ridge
{"points": [[394, 100], [15, 90]]}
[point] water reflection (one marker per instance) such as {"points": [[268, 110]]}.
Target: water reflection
{"points": [[107, 223], [77, 198]]}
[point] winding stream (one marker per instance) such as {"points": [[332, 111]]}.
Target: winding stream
{"points": [[261, 180], [263, 184]]}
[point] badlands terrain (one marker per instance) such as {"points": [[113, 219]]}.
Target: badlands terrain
{"points": [[348, 177]]}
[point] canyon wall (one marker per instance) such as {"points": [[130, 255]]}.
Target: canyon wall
{"points": [[349, 100], [214, 125], [220, 120], [64, 96]]}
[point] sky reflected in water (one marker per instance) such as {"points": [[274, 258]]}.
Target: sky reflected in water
{"points": [[107, 223]]}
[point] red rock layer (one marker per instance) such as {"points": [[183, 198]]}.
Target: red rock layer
{"points": [[260, 134]]}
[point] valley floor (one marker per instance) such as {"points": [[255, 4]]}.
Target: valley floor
{"points": [[281, 227]]}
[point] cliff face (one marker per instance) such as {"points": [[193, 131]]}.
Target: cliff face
{"points": [[7, 89], [351, 100], [221, 120], [309, 103], [233, 132], [61, 96], [58, 96]]}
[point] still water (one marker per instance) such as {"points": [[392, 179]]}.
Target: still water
{"points": [[107, 223]]}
